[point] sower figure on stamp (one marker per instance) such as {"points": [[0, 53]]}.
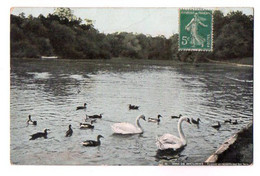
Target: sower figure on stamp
{"points": [[196, 39]]}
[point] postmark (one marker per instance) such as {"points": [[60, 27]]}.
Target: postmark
{"points": [[195, 30]]}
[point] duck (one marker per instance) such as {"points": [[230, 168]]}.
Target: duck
{"points": [[154, 119], [69, 132], [195, 121], [128, 128], [176, 117], [29, 121], [169, 141], [91, 143], [39, 135], [235, 123], [95, 116], [133, 107], [227, 121], [86, 125], [216, 126], [82, 107]]}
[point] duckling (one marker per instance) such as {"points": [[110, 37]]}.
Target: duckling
{"points": [[154, 119], [176, 117], [29, 121], [95, 116], [39, 134], [69, 132], [133, 107], [227, 121], [82, 107], [196, 121], [91, 143], [235, 123], [216, 126], [86, 125]]}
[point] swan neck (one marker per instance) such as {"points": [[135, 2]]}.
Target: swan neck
{"points": [[138, 124], [181, 134]]}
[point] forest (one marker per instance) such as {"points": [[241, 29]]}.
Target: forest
{"points": [[64, 35]]}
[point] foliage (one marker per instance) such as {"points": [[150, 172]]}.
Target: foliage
{"points": [[67, 36]]}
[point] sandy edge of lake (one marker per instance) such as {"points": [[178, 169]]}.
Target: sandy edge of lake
{"points": [[237, 150]]}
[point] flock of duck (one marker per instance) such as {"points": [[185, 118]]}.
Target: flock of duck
{"points": [[165, 142]]}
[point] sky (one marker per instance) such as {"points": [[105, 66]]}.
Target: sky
{"points": [[149, 21]]}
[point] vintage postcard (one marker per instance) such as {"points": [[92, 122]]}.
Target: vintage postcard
{"points": [[131, 86]]}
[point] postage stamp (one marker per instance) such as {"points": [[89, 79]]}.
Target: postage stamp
{"points": [[195, 30]]}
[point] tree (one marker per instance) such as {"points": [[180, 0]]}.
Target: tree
{"points": [[65, 14]]}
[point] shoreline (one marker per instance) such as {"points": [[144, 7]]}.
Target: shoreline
{"points": [[237, 150], [237, 63]]}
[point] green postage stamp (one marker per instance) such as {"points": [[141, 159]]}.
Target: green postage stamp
{"points": [[195, 30]]}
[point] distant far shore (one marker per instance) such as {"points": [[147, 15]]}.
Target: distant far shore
{"points": [[242, 62]]}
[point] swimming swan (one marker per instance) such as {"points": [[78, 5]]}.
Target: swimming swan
{"points": [[128, 128], [169, 141]]}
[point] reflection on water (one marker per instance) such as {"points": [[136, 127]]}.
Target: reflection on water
{"points": [[50, 90]]}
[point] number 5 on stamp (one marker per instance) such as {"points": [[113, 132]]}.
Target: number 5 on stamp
{"points": [[195, 30]]}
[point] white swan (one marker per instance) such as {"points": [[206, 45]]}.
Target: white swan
{"points": [[169, 141], [128, 128]]}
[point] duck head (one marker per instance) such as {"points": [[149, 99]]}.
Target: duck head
{"points": [[159, 116], [100, 136], [45, 131]]}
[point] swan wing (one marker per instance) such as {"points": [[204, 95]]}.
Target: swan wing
{"points": [[165, 146], [168, 141], [125, 128], [169, 138]]}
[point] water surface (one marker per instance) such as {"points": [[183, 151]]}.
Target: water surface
{"points": [[50, 90]]}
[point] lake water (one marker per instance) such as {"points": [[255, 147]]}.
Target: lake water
{"points": [[50, 90]]}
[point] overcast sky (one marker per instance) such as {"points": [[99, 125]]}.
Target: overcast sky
{"points": [[152, 21]]}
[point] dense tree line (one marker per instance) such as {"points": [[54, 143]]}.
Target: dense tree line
{"points": [[67, 36]]}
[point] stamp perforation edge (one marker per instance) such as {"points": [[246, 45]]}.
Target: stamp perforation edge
{"points": [[212, 31]]}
